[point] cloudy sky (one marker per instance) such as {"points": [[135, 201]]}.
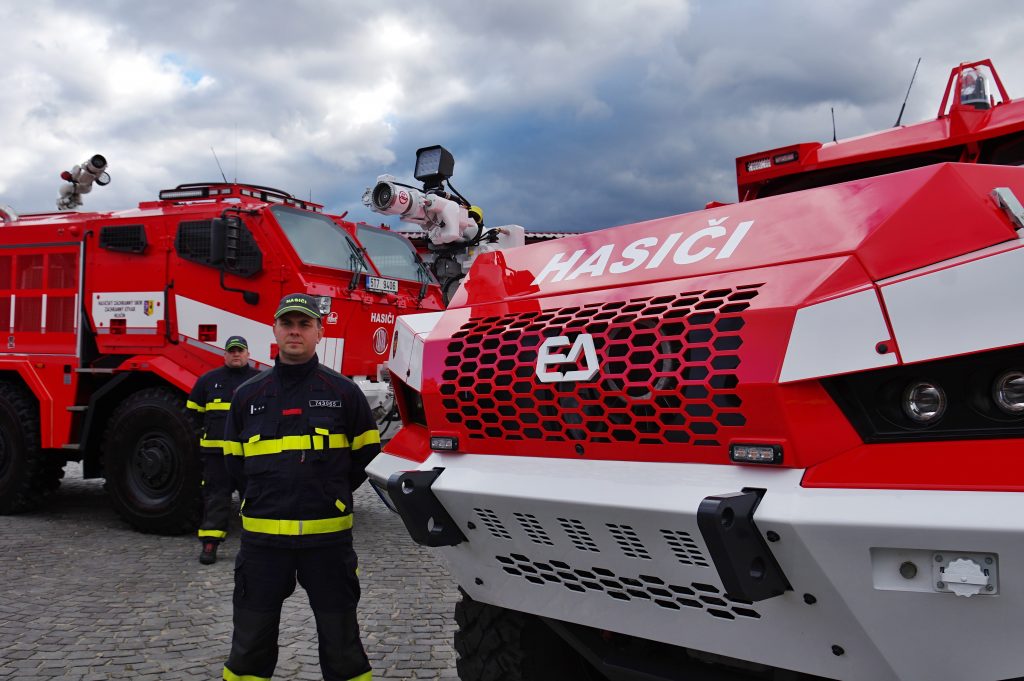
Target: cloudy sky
{"points": [[562, 115]]}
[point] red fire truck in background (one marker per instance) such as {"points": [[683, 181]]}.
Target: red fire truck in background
{"points": [[779, 439], [109, 318]]}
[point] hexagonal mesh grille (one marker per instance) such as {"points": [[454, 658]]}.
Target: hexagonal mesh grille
{"points": [[644, 588], [666, 372]]}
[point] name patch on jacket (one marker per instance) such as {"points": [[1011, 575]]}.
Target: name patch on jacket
{"points": [[334, 404]]}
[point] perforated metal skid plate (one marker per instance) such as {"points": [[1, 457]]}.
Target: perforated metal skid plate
{"points": [[615, 545]]}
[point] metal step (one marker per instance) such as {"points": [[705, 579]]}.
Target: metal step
{"points": [[73, 447], [90, 370], [78, 407]]}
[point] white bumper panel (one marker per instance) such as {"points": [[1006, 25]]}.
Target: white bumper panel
{"points": [[615, 545]]}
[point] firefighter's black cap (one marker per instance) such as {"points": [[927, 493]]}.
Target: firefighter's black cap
{"points": [[236, 342], [298, 302]]}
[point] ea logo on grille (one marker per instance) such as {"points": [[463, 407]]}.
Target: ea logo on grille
{"points": [[583, 345]]}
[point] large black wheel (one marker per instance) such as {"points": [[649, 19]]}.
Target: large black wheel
{"points": [[495, 644], [152, 462], [27, 474]]}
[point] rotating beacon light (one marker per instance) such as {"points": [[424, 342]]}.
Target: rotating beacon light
{"points": [[80, 180], [974, 89]]}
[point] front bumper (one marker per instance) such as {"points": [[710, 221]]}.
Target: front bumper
{"points": [[616, 545]]}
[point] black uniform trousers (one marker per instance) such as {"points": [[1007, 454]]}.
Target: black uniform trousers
{"points": [[217, 488], [265, 576]]}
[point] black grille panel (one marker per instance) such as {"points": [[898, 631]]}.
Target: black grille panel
{"points": [[193, 240], [123, 238]]}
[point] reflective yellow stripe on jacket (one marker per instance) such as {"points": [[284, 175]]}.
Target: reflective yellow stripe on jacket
{"points": [[370, 437], [294, 443], [216, 405], [289, 443], [215, 444], [232, 448], [296, 528]]}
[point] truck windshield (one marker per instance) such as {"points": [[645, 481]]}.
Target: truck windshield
{"points": [[393, 255], [316, 238]]}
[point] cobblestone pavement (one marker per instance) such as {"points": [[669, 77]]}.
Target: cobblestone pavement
{"points": [[84, 597]]}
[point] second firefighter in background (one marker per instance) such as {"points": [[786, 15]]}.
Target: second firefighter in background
{"points": [[211, 397]]}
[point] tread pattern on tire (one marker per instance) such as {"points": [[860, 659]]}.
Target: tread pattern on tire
{"points": [[43, 472], [185, 519], [489, 642]]}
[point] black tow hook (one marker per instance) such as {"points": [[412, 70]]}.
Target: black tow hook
{"points": [[425, 518], [745, 564]]}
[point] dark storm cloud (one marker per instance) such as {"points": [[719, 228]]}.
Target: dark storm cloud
{"points": [[567, 115], [742, 77]]}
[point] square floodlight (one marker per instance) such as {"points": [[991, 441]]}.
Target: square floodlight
{"points": [[434, 165]]}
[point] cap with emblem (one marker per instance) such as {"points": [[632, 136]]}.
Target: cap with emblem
{"points": [[236, 342], [298, 302]]}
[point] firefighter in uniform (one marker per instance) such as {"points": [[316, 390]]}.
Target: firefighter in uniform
{"points": [[305, 434], [211, 397]]}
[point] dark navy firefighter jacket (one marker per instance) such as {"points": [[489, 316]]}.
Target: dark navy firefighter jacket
{"points": [[304, 435], [211, 397]]}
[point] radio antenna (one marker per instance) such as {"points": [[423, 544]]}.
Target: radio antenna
{"points": [[833, 124], [218, 166], [900, 117]]}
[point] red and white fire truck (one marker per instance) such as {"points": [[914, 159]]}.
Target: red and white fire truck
{"points": [[110, 317], [781, 438]]}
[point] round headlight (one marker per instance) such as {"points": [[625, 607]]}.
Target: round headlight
{"points": [[1008, 392], [924, 402]]}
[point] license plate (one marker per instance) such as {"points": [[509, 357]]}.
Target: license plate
{"points": [[382, 285]]}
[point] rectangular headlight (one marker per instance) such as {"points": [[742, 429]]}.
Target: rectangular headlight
{"points": [[171, 194], [787, 157], [759, 164], [444, 443]]}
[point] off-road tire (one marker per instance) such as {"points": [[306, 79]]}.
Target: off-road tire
{"points": [[495, 644], [151, 457], [27, 474]]}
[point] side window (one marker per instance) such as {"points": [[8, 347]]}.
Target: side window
{"points": [[6, 286], [28, 296], [124, 238], [29, 279], [192, 242], [242, 256]]}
